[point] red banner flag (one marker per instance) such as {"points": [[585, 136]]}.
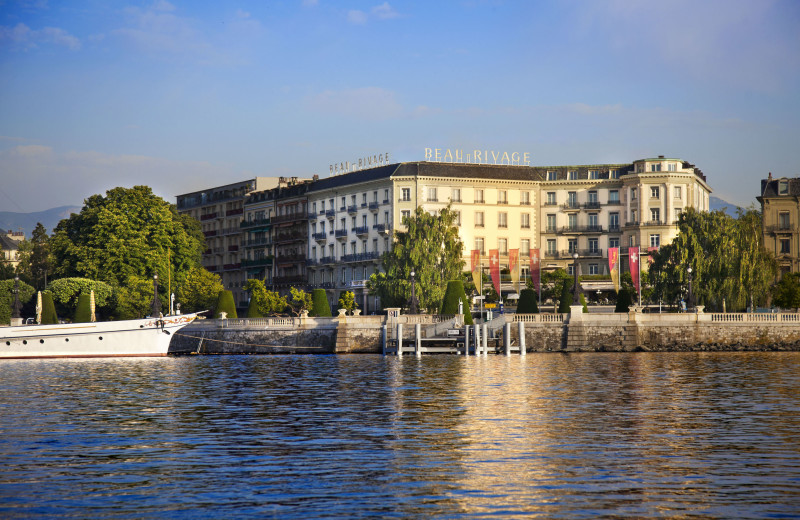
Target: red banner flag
{"points": [[477, 276], [494, 268], [652, 250], [613, 266], [535, 276], [513, 267], [634, 264]]}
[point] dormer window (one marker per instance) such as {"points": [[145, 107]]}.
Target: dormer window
{"points": [[783, 188]]}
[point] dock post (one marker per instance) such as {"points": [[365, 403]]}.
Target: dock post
{"points": [[399, 341], [521, 338], [466, 340], [384, 337], [477, 333], [485, 339], [507, 338], [418, 339]]}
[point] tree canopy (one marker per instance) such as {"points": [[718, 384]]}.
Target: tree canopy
{"points": [[430, 246], [199, 290], [66, 292], [26, 292]]}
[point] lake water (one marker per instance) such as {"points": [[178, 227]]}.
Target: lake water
{"points": [[656, 435]]}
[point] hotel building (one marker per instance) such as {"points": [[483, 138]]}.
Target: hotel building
{"points": [[780, 209]]}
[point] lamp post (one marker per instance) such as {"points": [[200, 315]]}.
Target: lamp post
{"points": [[412, 306], [155, 307], [691, 298], [17, 306], [576, 292]]}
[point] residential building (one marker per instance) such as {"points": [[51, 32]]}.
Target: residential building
{"points": [[780, 209], [9, 246]]}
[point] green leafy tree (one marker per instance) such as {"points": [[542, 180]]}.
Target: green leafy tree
{"points": [[347, 301], [128, 233], [528, 302], [6, 269], [786, 293], [83, 311], [454, 294], [553, 283], [225, 304], [26, 292], [301, 301], [36, 260], [49, 316], [320, 305], [133, 299], [199, 290], [66, 292], [269, 303], [430, 247]]}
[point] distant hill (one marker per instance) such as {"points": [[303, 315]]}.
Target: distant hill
{"points": [[26, 222], [716, 203]]}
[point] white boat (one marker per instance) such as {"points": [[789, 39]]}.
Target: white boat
{"points": [[145, 337]]}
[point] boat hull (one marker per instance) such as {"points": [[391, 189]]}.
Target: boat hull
{"points": [[147, 338]]}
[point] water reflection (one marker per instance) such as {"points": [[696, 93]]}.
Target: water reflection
{"points": [[553, 436]]}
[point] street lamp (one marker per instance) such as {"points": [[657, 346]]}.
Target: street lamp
{"points": [[576, 292], [155, 307], [413, 302], [17, 307], [691, 299]]}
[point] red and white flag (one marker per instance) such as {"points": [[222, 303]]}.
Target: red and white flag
{"points": [[634, 264], [494, 268], [535, 275]]}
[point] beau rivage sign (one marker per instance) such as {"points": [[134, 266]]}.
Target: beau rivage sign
{"points": [[369, 161], [447, 155]]}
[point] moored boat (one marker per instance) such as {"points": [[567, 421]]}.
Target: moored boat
{"points": [[144, 337]]}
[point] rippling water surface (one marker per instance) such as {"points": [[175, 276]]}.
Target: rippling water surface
{"points": [[547, 435]]}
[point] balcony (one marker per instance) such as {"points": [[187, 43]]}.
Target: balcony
{"points": [[258, 242], [614, 228], [208, 216], [571, 206], [592, 204], [233, 248], [551, 204], [373, 206], [551, 229], [341, 233], [320, 237], [210, 233], [554, 254], [327, 260], [653, 223], [381, 228], [290, 259], [289, 280], [231, 231], [232, 212], [614, 202], [257, 262], [781, 228], [352, 209], [361, 230], [231, 267], [290, 236], [256, 222], [590, 253], [360, 257], [330, 213], [291, 217]]}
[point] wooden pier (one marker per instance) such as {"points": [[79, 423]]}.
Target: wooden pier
{"points": [[475, 340]]}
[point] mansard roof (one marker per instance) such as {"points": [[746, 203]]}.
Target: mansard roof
{"points": [[770, 187]]}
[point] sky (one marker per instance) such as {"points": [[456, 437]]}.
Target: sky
{"points": [[186, 95]]}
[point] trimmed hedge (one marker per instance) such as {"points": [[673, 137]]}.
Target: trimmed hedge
{"points": [[225, 304], [583, 302], [528, 302], [83, 311], [452, 295], [49, 316], [319, 304], [623, 301], [253, 310], [566, 298]]}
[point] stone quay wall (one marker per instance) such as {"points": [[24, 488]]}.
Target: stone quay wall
{"points": [[572, 332]]}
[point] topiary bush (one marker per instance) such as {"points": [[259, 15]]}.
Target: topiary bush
{"points": [[225, 304], [566, 298], [49, 316], [528, 302], [319, 304], [623, 300], [453, 294], [252, 309], [83, 310], [583, 303]]}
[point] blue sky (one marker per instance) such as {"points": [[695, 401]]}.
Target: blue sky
{"points": [[187, 95]]}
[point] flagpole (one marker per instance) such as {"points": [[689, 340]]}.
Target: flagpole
{"points": [[639, 285]]}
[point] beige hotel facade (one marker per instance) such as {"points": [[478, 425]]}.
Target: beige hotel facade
{"points": [[559, 209]]}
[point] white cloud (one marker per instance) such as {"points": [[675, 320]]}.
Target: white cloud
{"points": [[357, 17], [384, 11], [24, 36]]}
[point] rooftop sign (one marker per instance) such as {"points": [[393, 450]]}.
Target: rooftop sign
{"points": [[447, 155], [380, 159]]}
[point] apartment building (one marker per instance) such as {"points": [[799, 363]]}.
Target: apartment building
{"points": [[780, 208]]}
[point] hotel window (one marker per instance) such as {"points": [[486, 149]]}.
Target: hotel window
{"points": [[654, 192], [313, 228], [525, 198], [594, 174], [551, 198], [333, 206], [479, 219], [502, 197], [456, 196], [502, 220], [353, 223], [571, 269], [386, 217], [352, 200], [593, 225], [613, 222], [406, 213], [363, 199], [572, 199], [458, 217], [613, 242], [655, 167], [551, 223], [343, 250], [786, 246], [572, 244], [572, 222], [655, 215], [330, 250], [432, 195], [525, 246], [783, 188], [502, 244], [783, 220], [374, 220], [375, 245], [525, 220], [593, 248], [593, 198], [551, 246], [572, 175], [614, 174], [594, 269], [405, 194], [678, 192], [479, 245], [375, 197], [633, 193], [655, 240], [631, 241], [313, 207], [343, 223], [313, 252], [678, 214], [551, 176], [344, 203], [613, 196], [363, 221], [386, 196], [672, 166], [479, 196], [353, 248]]}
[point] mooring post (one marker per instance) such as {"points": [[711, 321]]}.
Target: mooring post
{"points": [[507, 338], [521, 338], [485, 338], [477, 334], [399, 341], [384, 335], [418, 339], [466, 340]]}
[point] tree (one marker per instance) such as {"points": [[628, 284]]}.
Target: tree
{"points": [[128, 233], [253, 310], [40, 261], [431, 248], [454, 294], [565, 301], [225, 304], [269, 303], [786, 293], [553, 284], [49, 316], [347, 301], [301, 301], [199, 290], [66, 292], [528, 302], [83, 311], [26, 292], [623, 300], [320, 305], [133, 299]]}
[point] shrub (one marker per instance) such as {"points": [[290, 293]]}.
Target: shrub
{"points": [[453, 294], [48, 309], [347, 300], [83, 311], [583, 302], [319, 304], [225, 304], [252, 309], [566, 298], [528, 302], [623, 300]]}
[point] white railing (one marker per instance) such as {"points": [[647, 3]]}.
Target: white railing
{"points": [[538, 318]]}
